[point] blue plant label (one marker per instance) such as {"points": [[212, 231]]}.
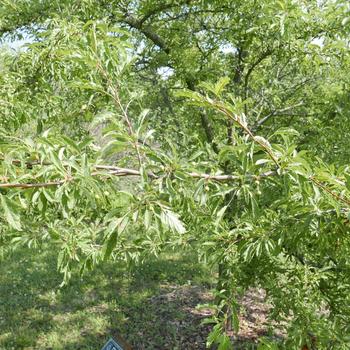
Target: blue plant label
{"points": [[112, 345]]}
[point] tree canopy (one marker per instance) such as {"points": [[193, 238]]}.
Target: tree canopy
{"points": [[130, 127]]}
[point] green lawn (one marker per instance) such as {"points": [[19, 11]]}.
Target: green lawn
{"points": [[152, 306]]}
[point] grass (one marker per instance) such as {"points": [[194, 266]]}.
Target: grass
{"points": [[111, 301]]}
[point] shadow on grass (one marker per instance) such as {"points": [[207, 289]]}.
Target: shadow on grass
{"points": [[152, 306]]}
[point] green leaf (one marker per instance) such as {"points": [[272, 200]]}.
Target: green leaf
{"points": [[347, 182], [220, 85], [263, 161], [172, 220], [220, 215], [147, 218], [345, 21], [224, 342], [115, 228], [235, 322], [286, 131], [10, 210], [214, 335]]}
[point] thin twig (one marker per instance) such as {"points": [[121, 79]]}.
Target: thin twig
{"points": [[268, 150], [256, 139], [329, 191], [32, 185], [118, 104]]}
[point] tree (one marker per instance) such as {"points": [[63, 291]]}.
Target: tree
{"points": [[237, 168]]}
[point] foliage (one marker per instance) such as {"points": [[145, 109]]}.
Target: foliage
{"points": [[109, 157]]}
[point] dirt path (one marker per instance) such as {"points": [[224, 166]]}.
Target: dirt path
{"points": [[191, 334]]}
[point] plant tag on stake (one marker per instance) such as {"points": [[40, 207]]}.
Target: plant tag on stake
{"points": [[112, 345]]}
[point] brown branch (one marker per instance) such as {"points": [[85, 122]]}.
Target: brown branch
{"points": [[206, 125], [32, 185], [146, 31], [231, 177], [260, 122], [329, 191], [118, 104], [268, 150], [237, 119], [116, 171], [251, 69], [161, 8]]}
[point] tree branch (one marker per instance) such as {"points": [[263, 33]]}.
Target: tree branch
{"points": [[146, 31], [329, 191], [260, 122], [32, 185], [238, 120], [267, 149], [161, 8], [208, 129], [251, 69], [116, 171]]}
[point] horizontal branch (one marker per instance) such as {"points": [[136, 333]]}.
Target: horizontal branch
{"points": [[113, 170], [116, 171], [32, 185], [231, 177]]}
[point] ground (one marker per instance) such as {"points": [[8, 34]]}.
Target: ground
{"points": [[153, 306]]}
